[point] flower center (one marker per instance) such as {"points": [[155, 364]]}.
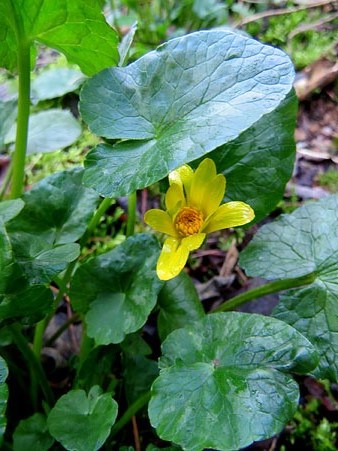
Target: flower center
{"points": [[188, 221]]}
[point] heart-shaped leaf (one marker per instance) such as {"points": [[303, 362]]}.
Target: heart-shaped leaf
{"points": [[298, 244], [80, 422], [55, 82], [118, 290], [174, 105], [18, 300], [179, 305], [56, 213], [49, 131], [77, 29], [32, 433], [225, 381]]}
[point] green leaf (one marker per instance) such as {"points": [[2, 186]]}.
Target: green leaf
{"points": [[80, 422], [174, 105], [6, 258], [179, 305], [8, 111], [225, 381], [32, 433], [259, 163], [18, 301], [40, 261], [29, 304], [304, 242], [97, 367], [56, 82], [10, 208], [118, 290], [77, 29], [126, 43], [139, 373], [58, 208], [134, 345], [49, 131], [56, 213], [3, 397]]}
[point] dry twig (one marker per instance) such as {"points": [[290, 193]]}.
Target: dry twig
{"points": [[281, 11]]}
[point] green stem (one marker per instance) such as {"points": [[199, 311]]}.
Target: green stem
{"points": [[19, 156], [130, 412], [271, 287], [102, 208], [38, 337], [86, 345], [132, 200], [33, 363]]}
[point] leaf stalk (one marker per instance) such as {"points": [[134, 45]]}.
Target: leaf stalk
{"points": [[269, 288]]}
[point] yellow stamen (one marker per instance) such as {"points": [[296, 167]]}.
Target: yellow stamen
{"points": [[188, 221]]}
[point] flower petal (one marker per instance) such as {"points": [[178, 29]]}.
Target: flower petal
{"points": [[160, 221], [174, 198], [175, 253], [231, 214], [193, 242], [172, 259], [207, 188], [181, 175]]}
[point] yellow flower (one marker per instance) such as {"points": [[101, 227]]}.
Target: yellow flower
{"points": [[192, 210]]}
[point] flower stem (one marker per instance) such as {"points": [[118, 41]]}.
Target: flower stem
{"points": [[102, 208], [271, 287], [33, 363], [130, 412], [131, 213], [19, 156], [38, 336]]}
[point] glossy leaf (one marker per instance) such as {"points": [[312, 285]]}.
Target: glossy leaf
{"points": [[58, 208], [32, 433], [10, 208], [28, 304], [258, 164], [80, 422], [3, 397], [56, 82], [174, 105], [179, 305], [118, 290], [6, 258], [304, 242], [77, 29], [49, 131], [19, 301], [56, 213], [225, 381]]}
